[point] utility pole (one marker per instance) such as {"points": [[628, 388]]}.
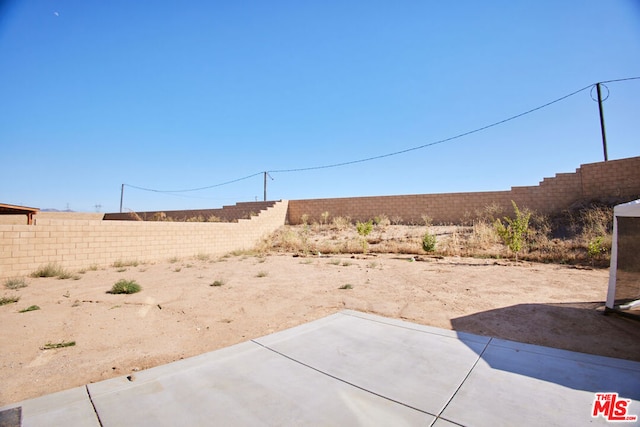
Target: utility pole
{"points": [[266, 174], [602, 129], [121, 196]]}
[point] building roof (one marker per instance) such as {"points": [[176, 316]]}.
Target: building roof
{"points": [[6, 209], [16, 210]]}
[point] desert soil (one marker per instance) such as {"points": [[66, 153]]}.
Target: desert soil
{"points": [[179, 314]]}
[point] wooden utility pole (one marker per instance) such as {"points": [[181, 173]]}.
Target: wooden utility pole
{"points": [[266, 174], [121, 196], [602, 129]]}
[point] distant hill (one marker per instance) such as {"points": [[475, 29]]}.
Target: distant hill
{"points": [[55, 210]]}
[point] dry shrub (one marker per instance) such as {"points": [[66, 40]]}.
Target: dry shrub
{"points": [[341, 223], [426, 220], [382, 221]]}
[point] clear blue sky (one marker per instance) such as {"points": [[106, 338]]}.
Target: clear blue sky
{"points": [[175, 95]]}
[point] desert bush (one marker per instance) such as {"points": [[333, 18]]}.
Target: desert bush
{"points": [[120, 263], [341, 223], [125, 287], [596, 221], [382, 220], [213, 218], [159, 216], [490, 213], [304, 218], [428, 242], [51, 270], [364, 228], [514, 232], [427, 220], [596, 247], [15, 283], [396, 220], [325, 218], [8, 300]]}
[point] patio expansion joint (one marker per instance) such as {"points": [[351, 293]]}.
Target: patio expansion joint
{"points": [[86, 387], [439, 415], [340, 379]]}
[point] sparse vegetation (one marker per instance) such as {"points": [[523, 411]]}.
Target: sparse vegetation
{"points": [[382, 221], [347, 286], [262, 274], [121, 263], [15, 283], [51, 270], [324, 218], [578, 236], [30, 308], [341, 223], [203, 257], [427, 220], [63, 344], [218, 283], [125, 287], [9, 300]]}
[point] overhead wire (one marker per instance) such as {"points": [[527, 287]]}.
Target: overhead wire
{"points": [[395, 153]]}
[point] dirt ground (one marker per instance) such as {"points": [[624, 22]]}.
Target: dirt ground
{"points": [[179, 313]]}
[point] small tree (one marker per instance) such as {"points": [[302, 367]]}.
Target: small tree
{"points": [[364, 228], [513, 230]]}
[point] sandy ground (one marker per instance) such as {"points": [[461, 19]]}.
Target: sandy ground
{"points": [[179, 314]]}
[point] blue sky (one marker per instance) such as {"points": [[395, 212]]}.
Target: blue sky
{"points": [[180, 95]]}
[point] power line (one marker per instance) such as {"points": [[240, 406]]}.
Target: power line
{"points": [[395, 153], [194, 189], [436, 142]]}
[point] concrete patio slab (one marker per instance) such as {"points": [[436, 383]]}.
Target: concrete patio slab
{"points": [[417, 365], [66, 408], [522, 384], [245, 385], [353, 368]]}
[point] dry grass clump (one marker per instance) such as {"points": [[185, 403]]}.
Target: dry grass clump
{"points": [[52, 270], [15, 283], [9, 300]]}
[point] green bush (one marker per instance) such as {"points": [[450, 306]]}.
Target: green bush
{"points": [[125, 287], [429, 242], [513, 233], [364, 228]]}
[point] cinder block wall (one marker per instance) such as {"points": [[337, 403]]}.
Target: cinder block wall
{"points": [[616, 179], [76, 244]]}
